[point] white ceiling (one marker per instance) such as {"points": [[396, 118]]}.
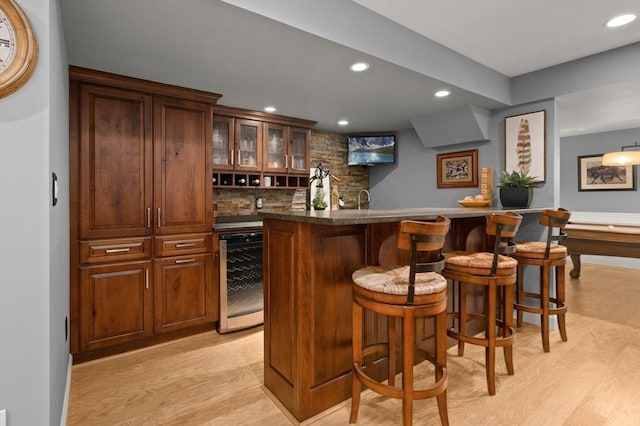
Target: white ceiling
{"points": [[254, 61]]}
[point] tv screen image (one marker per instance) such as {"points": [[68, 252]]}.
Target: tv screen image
{"points": [[370, 150]]}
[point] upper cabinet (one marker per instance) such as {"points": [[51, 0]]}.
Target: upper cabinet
{"points": [[116, 166], [183, 197], [248, 145], [286, 149], [252, 145], [299, 150], [237, 144]]}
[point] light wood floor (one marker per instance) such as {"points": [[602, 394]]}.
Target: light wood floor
{"points": [[211, 379]]}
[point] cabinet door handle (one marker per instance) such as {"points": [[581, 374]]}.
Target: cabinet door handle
{"points": [[148, 217], [286, 161], [159, 221], [232, 157], [184, 245], [238, 157], [146, 279], [179, 261], [118, 250]]}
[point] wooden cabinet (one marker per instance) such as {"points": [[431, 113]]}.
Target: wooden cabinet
{"points": [[115, 304], [237, 144], [183, 292], [250, 145], [183, 196], [223, 143], [115, 162], [286, 149], [141, 211]]}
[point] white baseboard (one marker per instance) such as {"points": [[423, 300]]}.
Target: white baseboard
{"points": [[67, 389]]}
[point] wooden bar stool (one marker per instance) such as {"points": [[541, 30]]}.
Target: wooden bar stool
{"points": [[546, 256], [406, 292], [496, 273]]}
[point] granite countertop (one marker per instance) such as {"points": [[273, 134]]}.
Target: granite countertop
{"points": [[364, 216]]}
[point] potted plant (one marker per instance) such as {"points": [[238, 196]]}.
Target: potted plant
{"points": [[516, 189], [318, 202]]}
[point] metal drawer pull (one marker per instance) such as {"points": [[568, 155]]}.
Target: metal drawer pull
{"points": [[183, 245], [146, 279], [118, 250], [185, 261]]}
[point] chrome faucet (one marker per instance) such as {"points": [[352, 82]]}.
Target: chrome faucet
{"points": [[368, 197]]}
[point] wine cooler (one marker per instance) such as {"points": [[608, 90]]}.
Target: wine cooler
{"points": [[241, 290]]}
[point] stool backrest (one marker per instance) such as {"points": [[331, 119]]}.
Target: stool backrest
{"points": [[504, 227], [423, 237], [554, 219]]}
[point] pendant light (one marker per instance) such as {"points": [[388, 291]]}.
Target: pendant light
{"points": [[622, 157]]}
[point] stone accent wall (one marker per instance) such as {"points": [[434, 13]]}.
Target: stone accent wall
{"points": [[331, 149]]}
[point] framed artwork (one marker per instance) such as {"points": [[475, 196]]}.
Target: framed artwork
{"points": [[593, 176], [525, 144], [457, 169]]}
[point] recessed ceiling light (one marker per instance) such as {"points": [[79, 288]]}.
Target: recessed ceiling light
{"points": [[270, 108], [343, 122], [441, 93], [620, 20], [359, 67]]}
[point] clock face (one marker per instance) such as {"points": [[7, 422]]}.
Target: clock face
{"points": [[7, 42]]}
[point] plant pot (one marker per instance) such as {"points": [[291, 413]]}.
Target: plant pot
{"points": [[516, 198]]}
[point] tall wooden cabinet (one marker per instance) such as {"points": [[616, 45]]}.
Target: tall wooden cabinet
{"points": [[141, 211]]}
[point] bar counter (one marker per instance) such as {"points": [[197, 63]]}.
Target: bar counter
{"points": [[309, 257]]}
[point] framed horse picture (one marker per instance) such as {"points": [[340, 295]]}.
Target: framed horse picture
{"points": [[593, 176]]}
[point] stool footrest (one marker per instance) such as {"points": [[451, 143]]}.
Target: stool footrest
{"points": [[397, 392], [501, 341]]}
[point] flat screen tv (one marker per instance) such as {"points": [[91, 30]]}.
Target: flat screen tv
{"points": [[371, 150]]}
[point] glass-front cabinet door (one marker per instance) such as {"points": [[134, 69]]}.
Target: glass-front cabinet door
{"points": [[223, 143], [248, 145], [299, 148], [275, 148]]}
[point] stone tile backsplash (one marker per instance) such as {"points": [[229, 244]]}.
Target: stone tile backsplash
{"points": [[331, 149]]}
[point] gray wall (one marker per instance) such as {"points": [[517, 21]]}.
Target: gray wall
{"points": [[595, 201], [34, 288], [411, 182]]}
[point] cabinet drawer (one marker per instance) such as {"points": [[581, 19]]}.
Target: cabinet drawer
{"points": [[99, 251], [175, 245]]}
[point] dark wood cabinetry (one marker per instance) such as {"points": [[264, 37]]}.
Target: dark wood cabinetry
{"points": [[115, 304], [182, 166], [141, 211], [249, 146]]}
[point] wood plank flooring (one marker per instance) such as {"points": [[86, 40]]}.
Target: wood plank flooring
{"points": [[211, 379]]}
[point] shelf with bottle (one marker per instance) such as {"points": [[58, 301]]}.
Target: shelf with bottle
{"points": [[258, 180]]}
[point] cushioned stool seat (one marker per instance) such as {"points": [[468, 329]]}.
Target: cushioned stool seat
{"points": [[546, 256], [393, 280], [496, 274], [408, 293]]}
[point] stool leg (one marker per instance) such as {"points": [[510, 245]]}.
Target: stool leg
{"points": [[507, 320], [441, 363], [408, 333], [357, 360], [462, 315], [490, 333], [391, 334], [520, 293], [544, 304], [560, 296]]}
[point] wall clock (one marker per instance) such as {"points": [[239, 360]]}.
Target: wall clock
{"points": [[18, 48]]}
